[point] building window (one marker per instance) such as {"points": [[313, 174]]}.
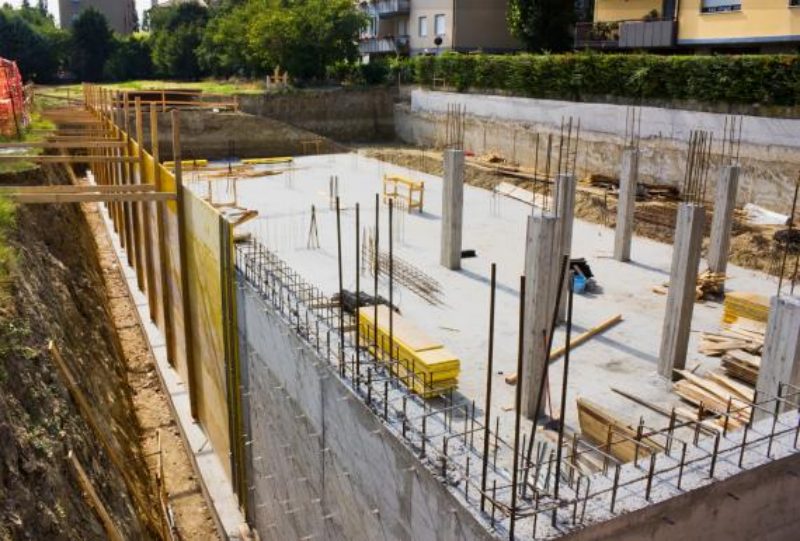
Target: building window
{"points": [[423, 27], [716, 6], [402, 27], [438, 24]]}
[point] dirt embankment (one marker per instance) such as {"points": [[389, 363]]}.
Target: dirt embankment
{"points": [[56, 293], [751, 246]]}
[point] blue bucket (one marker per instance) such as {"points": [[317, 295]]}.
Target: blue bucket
{"points": [[579, 283]]}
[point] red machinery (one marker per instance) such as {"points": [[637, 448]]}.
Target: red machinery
{"points": [[13, 116]]}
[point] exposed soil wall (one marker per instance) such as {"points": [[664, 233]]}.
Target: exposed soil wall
{"points": [[57, 293], [342, 114], [222, 135]]}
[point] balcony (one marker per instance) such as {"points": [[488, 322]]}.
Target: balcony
{"points": [[632, 34], [384, 45], [391, 8]]}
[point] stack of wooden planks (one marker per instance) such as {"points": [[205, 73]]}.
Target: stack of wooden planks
{"points": [[740, 346], [613, 434], [739, 304], [742, 366], [741, 336], [716, 393], [709, 284], [419, 361]]}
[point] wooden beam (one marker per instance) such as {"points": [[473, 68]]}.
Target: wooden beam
{"points": [[511, 379], [81, 188], [156, 197], [48, 158], [94, 499], [111, 143]]}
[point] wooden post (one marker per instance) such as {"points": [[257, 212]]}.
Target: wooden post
{"points": [[191, 368], [94, 500], [163, 252], [145, 222], [135, 211]]}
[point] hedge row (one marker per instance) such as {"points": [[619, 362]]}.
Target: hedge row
{"points": [[750, 79]]}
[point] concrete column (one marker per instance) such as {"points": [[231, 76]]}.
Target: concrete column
{"points": [[722, 222], [626, 204], [539, 251], [780, 361], [682, 285], [565, 209], [452, 209]]}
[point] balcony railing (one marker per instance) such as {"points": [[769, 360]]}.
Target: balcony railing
{"points": [[390, 8], [384, 45], [631, 34]]}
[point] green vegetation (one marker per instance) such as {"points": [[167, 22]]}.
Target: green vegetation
{"points": [[750, 79], [30, 36], [188, 41], [92, 42], [7, 222], [304, 37], [542, 25]]}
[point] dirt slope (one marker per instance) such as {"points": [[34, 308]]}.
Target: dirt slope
{"points": [[57, 293]]}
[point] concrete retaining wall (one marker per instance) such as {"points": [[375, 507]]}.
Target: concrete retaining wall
{"points": [[341, 114], [768, 155], [759, 503], [321, 463]]}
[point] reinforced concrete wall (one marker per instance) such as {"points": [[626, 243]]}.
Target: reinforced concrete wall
{"points": [[341, 114], [508, 125], [320, 462]]}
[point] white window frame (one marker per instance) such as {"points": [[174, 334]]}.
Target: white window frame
{"points": [[439, 17], [422, 26]]}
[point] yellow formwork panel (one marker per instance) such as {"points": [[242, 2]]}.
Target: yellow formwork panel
{"points": [[267, 161], [422, 363], [187, 163]]}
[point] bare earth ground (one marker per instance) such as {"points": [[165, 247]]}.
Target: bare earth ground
{"points": [[192, 515]]}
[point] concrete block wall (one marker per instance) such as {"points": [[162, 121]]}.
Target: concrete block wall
{"points": [[768, 154], [341, 114], [321, 463]]}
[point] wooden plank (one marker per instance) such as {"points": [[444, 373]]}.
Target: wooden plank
{"points": [[76, 188], [94, 499], [90, 197], [511, 379], [110, 143], [596, 423], [70, 159]]}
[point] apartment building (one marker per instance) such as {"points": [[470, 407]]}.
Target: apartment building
{"points": [[412, 27], [702, 26], [121, 14]]}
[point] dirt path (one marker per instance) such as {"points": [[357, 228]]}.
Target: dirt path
{"points": [[192, 515]]}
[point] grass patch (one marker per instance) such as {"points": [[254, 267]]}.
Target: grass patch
{"points": [[8, 219], [211, 86]]}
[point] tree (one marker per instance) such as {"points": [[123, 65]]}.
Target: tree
{"points": [[92, 42], [32, 40], [130, 59], [542, 25], [303, 37], [176, 33]]}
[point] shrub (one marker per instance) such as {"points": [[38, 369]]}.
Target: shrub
{"points": [[748, 79]]}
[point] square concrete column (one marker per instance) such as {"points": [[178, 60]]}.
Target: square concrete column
{"points": [[682, 284], [722, 221], [565, 210], [780, 361], [539, 251], [452, 209], [626, 204]]}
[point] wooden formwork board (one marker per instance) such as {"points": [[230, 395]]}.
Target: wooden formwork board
{"points": [[205, 288]]}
